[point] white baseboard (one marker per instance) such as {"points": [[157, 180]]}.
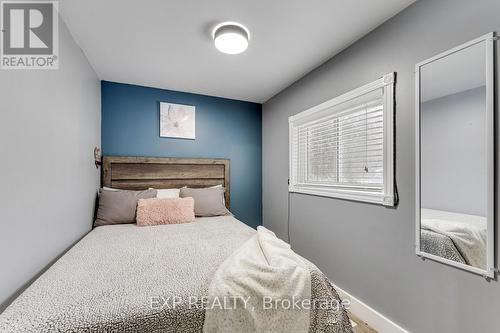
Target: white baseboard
{"points": [[373, 318]]}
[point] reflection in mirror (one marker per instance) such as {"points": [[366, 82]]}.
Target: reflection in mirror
{"points": [[454, 157]]}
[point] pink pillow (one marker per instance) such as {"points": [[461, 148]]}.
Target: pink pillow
{"points": [[165, 211]]}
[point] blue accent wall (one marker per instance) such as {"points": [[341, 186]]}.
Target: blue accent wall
{"points": [[225, 128]]}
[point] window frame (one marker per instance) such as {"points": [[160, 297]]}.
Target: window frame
{"points": [[385, 197]]}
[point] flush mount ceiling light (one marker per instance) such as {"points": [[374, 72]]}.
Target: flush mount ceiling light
{"points": [[231, 37]]}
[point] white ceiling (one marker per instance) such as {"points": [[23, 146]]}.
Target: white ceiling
{"points": [[167, 43], [454, 73]]}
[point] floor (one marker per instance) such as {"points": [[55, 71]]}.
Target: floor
{"points": [[360, 326]]}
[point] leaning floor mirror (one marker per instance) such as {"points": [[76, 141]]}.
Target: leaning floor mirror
{"points": [[455, 157]]}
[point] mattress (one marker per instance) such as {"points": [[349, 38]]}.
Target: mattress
{"points": [[123, 278]]}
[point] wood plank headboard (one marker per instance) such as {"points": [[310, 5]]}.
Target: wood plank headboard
{"points": [[139, 173]]}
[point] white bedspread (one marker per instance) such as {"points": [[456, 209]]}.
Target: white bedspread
{"points": [[264, 266], [468, 233], [125, 278]]}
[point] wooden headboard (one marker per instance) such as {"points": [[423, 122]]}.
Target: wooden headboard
{"points": [[139, 173]]}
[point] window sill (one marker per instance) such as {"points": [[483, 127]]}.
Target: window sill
{"points": [[353, 195]]}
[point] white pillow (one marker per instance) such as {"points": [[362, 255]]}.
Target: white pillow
{"points": [[106, 189], [110, 189], [167, 193]]}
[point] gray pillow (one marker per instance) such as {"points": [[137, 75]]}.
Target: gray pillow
{"points": [[119, 206], [207, 201]]}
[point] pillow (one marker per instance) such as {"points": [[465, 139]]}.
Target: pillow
{"points": [[118, 207], [165, 211], [167, 193], [223, 196], [109, 189], [207, 201]]}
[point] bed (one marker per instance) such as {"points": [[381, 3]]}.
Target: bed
{"points": [[126, 278], [454, 236]]}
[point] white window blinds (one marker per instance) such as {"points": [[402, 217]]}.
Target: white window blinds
{"points": [[340, 148]]}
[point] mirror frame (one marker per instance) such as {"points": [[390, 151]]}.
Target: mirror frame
{"points": [[489, 272]]}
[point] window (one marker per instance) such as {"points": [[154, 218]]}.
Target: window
{"points": [[343, 148]]}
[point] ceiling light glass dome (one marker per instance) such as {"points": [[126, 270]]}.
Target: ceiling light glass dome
{"points": [[231, 37]]}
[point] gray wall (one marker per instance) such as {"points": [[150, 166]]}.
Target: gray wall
{"points": [[453, 153], [49, 125], [367, 249]]}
